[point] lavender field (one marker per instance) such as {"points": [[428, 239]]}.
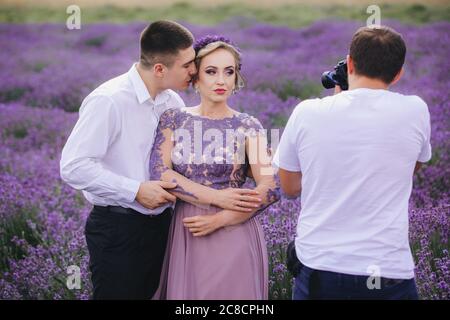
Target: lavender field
{"points": [[46, 71]]}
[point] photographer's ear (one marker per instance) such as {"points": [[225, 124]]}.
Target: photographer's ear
{"points": [[350, 65], [397, 77]]}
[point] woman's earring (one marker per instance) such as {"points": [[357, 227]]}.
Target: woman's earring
{"points": [[196, 90], [233, 91]]}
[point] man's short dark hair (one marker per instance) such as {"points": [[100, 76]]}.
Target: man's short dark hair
{"points": [[161, 40], [378, 52]]}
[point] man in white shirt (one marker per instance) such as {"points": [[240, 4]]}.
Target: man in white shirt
{"points": [[107, 156], [352, 156]]}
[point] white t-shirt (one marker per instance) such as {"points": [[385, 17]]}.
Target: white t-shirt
{"points": [[357, 151]]}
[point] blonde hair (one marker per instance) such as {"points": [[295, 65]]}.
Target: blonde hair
{"points": [[213, 46]]}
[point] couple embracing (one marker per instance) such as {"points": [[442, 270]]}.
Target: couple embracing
{"points": [[171, 219]]}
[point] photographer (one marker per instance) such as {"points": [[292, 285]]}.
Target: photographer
{"points": [[352, 157]]}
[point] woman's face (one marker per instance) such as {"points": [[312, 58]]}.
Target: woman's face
{"points": [[216, 76]]}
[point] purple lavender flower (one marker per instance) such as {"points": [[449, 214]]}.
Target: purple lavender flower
{"points": [[42, 218]]}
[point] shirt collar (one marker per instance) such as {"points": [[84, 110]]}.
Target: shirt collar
{"points": [[141, 90]]}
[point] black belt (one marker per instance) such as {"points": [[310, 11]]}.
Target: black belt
{"points": [[122, 210], [388, 282]]}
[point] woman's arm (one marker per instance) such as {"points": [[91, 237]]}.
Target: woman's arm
{"points": [[200, 195], [263, 172]]}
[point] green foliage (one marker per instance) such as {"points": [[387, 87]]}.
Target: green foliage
{"points": [[19, 225], [292, 15]]}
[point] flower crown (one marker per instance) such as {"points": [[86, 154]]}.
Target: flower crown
{"points": [[204, 41]]}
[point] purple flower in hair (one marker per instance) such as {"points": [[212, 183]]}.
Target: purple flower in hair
{"points": [[204, 41]]}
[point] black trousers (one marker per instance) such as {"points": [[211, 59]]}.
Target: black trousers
{"points": [[126, 252]]}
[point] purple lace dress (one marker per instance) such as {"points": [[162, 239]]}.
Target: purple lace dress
{"points": [[230, 263]]}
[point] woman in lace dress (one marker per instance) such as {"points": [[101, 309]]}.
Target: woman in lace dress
{"points": [[214, 253]]}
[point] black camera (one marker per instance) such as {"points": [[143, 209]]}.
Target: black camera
{"points": [[292, 263], [337, 77]]}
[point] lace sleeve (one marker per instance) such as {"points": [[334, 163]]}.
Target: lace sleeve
{"points": [[162, 145]]}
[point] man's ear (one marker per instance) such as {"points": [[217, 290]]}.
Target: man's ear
{"points": [[350, 65], [397, 76], [158, 70]]}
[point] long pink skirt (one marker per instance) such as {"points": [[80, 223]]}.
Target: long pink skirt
{"points": [[229, 264]]}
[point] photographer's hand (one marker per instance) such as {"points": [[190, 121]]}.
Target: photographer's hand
{"points": [[337, 89]]}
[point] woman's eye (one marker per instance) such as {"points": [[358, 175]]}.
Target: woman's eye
{"points": [[210, 72], [230, 72]]}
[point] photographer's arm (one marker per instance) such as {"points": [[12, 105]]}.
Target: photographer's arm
{"points": [[291, 182], [418, 166]]}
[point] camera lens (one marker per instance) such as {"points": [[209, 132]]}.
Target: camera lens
{"points": [[327, 80]]}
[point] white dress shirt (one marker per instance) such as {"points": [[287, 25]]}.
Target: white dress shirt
{"points": [[107, 154]]}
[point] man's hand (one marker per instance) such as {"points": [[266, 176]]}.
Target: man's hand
{"points": [[237, 199], [151, 194], [337, 89]]}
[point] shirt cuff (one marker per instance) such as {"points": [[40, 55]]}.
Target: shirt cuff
{"points": [[130, 189]]}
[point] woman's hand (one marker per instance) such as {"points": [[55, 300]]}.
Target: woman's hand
{"points": [[244, 200], [203, 225]]}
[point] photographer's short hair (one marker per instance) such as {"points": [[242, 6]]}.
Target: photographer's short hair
{"points": [[378, 52], [160, 42]]}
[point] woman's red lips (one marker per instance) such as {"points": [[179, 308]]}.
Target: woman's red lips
{"points": [[220, 91]]}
